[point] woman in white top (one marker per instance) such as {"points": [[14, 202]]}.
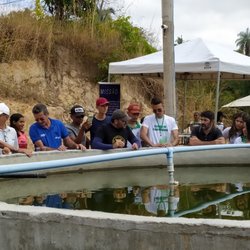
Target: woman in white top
{"points": [[236, 130]]}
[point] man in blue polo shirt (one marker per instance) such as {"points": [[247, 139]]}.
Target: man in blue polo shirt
{"points": [[50, 134]]}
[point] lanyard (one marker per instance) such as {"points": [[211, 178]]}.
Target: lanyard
{"points": [[160, 126]]}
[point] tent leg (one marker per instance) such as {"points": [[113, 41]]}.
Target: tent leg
{"points": [[184, 105], [108, 77], [217, 97]]}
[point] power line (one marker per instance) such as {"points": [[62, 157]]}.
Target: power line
{"points": [[15, 1]]}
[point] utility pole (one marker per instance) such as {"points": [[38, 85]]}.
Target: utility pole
{"points": [[168, 57]]}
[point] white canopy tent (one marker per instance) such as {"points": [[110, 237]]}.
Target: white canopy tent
{"points": [[241, 102], [194, 60]]}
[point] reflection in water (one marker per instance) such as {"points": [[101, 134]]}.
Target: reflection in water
{"points": [[224, 200]]}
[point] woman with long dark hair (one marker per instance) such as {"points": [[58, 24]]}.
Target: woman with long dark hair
{"points": [[17, 121], [236, 130]]}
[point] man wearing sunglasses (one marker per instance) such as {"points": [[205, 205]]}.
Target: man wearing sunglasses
{"points": [[50, 134], [115, 134], [158, 129], [78, 126]]}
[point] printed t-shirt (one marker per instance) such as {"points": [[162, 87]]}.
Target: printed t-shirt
{"points": [[159, 130], [108, 135]]}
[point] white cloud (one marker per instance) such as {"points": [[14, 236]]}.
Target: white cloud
{"points": [[215, 20]]}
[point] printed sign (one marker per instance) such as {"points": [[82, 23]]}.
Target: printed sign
{"points": [[111, 91]]}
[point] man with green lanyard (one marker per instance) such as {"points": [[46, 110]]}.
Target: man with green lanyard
{"points": [[158, 129]]}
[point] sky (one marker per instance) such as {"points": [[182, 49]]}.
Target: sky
{"points": [[213, 20]]}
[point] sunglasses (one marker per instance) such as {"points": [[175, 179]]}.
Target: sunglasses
{"points": [[157, 110], [79, 116]]}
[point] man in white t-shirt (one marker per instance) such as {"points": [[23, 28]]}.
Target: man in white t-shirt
{"points": [[158, 129]]}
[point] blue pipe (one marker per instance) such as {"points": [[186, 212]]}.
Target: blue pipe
{"points": [[53, 164], [31, 166]]}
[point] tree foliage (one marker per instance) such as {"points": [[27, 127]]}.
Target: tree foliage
{"points": [[133, 38], [39, 10], [179, 40], [64, 9], [243, 42]]}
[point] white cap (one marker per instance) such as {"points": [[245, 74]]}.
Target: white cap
{"points": [[4, 109]]}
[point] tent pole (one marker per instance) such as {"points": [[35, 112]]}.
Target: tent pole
{"points": [[184, 105], [108, 77], [168, 58], [217, 97]]}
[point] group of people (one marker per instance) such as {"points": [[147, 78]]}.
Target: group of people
{"points": [[120, 130], [205, 131]]}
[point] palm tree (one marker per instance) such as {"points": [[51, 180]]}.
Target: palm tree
{"points": [[179, 40], [243, 42], [104, 14]]}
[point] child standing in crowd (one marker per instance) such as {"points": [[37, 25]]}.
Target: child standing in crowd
{"points": [[17, 121]]}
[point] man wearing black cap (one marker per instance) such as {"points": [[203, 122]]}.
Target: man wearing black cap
{"points": [[77, 127], [115, 134], [207, 133]]}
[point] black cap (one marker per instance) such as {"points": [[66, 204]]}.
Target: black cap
{"points": [[77, 110], [118, 114]]}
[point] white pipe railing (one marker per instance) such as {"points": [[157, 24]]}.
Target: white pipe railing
{"points": [[54, 164]]}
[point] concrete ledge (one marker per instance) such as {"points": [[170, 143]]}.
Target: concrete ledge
{"points": [[26, 227]]}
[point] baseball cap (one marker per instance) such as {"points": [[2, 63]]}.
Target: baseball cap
{"points": [[101, 101], [134, 108], [77, 110], [4, 109], [118, 114]]}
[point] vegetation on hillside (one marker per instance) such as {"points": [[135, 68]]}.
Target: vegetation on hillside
{"points": [[24, 36]]}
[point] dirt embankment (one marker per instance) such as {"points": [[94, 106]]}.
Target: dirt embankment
{"points": [[25, 83]]}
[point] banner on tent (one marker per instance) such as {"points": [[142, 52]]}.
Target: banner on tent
{"points": [[111, 91]]}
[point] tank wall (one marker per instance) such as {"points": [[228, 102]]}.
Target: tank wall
{"points": [[25, 227]]}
